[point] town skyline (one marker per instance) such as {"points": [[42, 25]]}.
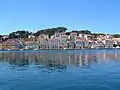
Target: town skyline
{"points": [[58, 38]]}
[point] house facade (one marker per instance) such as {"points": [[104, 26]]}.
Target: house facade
{"points": [[108, 43]]}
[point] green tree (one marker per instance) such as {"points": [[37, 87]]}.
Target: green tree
{"points": [[19, 34], [50, 31], [116, 35], [82, 31]]}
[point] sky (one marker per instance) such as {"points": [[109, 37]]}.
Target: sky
{"points": [[102, 16]]}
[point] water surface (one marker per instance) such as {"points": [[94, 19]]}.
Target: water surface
{"points": [[60, 70]]}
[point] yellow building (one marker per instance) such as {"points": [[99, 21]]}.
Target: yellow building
{"points": [[7, 46]]}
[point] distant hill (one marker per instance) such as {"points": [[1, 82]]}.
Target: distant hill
{"points": [[52, 31]]}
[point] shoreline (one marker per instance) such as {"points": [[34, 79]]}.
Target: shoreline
{"points": [[56, 49]]}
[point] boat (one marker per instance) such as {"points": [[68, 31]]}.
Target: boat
{"points": [[64, 48], [35, 49], [117, 47], [21, 49]]}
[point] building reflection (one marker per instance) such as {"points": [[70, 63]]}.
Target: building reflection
{"points": [[57, 60]]}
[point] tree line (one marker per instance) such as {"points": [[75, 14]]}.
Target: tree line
{"points": [[52, 31]]}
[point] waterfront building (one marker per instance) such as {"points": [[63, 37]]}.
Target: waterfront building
{"points": [[43, 43], [71, 44], [27, 44], [108, 43], [58, 41], [86, 44], [93, 44], [63, 44], [63, 40], [8, 45], [100, 44], [54, 43], [11, 44], [79, 44], [34, 45], [117, 43]]}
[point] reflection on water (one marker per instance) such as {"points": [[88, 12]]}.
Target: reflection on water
{"points": [[57, 60], [60, 70]]}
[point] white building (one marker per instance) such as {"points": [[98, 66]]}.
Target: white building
{"points": [[100, 44], [64, 37], [85, 36], [93, 44], [43, 43], [31, 36], [44, 36], [72, 35], [108, 37], [79, 44], [82, 36], [88, 37], [54, 43], [117, 42], [87, 44], [108, 43], [71, 44]]}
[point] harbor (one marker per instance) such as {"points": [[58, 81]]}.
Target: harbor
{"points": [[60, 40]]}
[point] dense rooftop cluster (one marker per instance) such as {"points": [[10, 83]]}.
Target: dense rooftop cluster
{"points": [[58, 38]]}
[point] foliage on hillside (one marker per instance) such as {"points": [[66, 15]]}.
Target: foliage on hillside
{"points": [[52, 31], [116, 35], [19, 34], [82, 31]]}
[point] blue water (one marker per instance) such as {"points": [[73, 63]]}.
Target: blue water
{"points": [[60, 70]]}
